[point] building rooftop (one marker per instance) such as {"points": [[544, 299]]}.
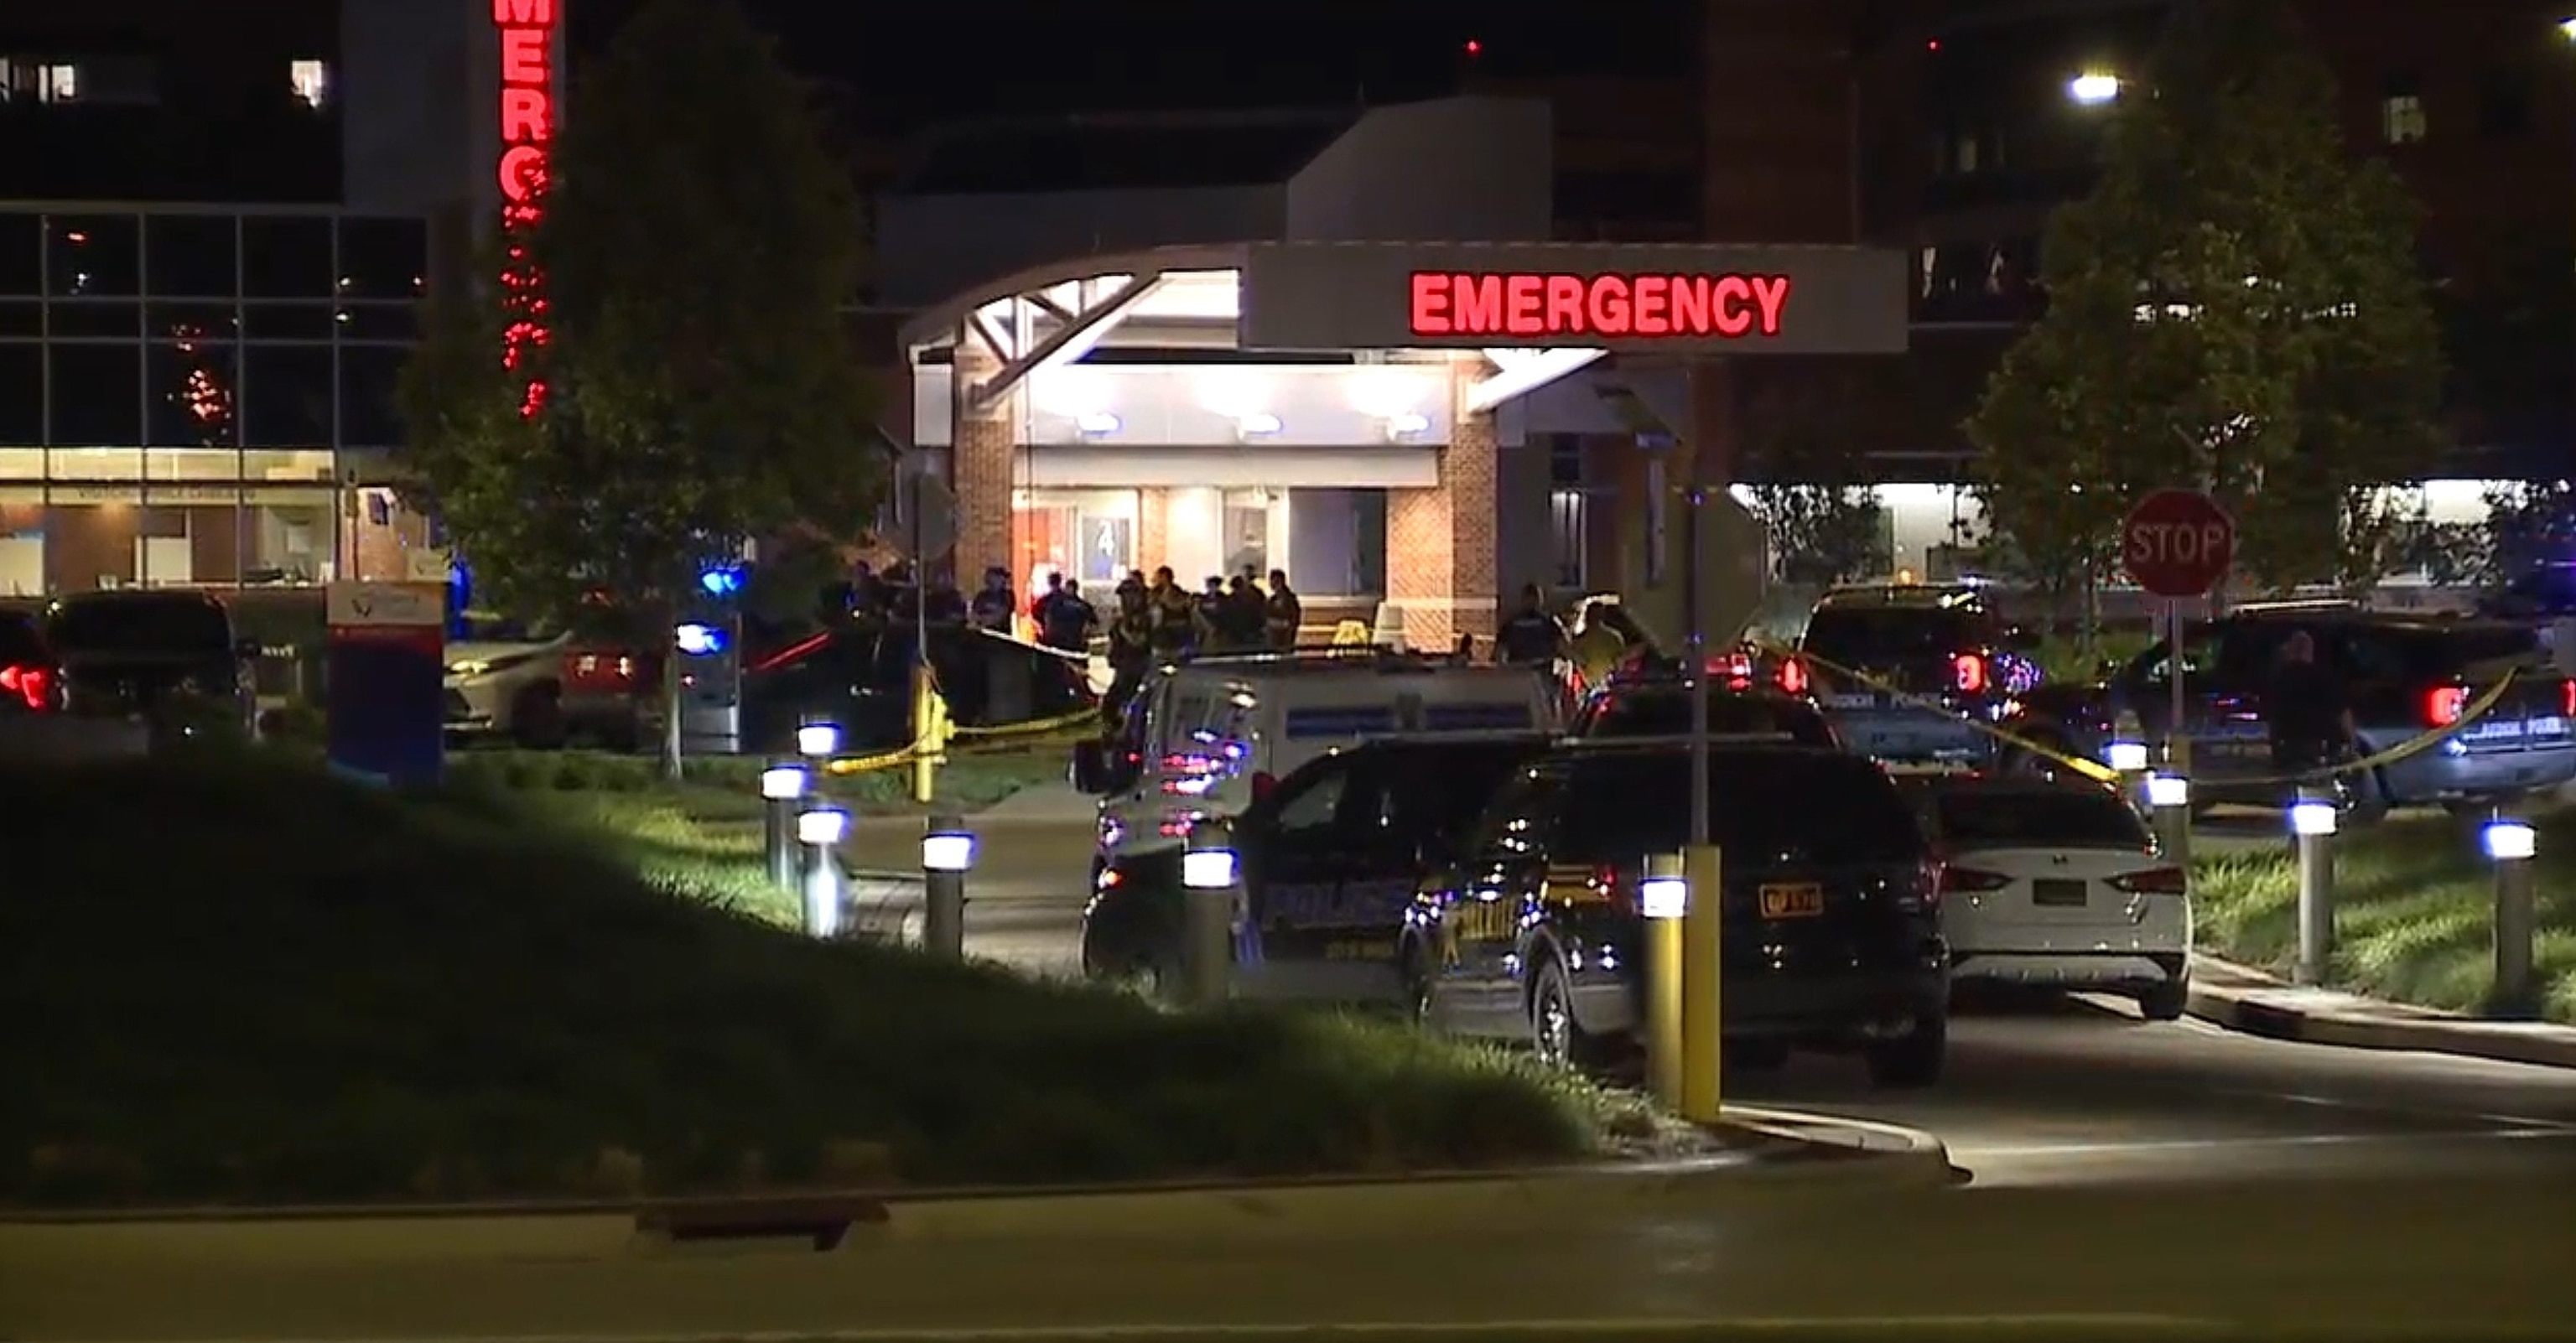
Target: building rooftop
{"points": [[1114, 153]]}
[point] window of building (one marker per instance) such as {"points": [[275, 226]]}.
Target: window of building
{"points": [[191, 256], [2401, 110], [383, 257], [96, 393], [311, 81], [288, 257], [93, 256], [39, 81], [2504, 104], [22, 255]]}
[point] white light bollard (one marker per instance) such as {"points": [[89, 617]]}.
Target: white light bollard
{"points": [[1663, 898], [2130, 759], [2169, 807], [2511, 843], [818, 741], [1211, 891], [2313, 821], [947, 855], [782, 791], [820, 829]]}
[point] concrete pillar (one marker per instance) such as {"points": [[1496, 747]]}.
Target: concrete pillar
{"points": [[1153, 528], [981, 468], [1440, 558]]}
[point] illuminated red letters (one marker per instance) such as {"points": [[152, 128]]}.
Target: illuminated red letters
{"points": [[526, 29], [1616, 307]]}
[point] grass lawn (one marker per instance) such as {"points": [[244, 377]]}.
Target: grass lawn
{"points": [[2414, 917], [235, 979]]}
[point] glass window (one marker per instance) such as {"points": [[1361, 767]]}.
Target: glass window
{"points": [[311, 81], [286, 396], [370, 378], [1861, 635], [22, 395], [383, 258], [287, 321], [97, 395], [192, 321], [305, 465], [398, 322], [21, 319], [288, 537], [1310, 813], [287, 258], [2068, 818], [193, 466], [192, 394], [1791, 807], [1666, 712], [22, 254], [93, 256], [190, 256], [95, 319], [140, 624]]}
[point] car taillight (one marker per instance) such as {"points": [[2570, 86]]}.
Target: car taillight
{"points": [[2153, 881], [596, 669], [1971, 881], [2443, 705], [1262, 784], [29, 683], [1793, 676], [1968, 672], [1736, 669], [2567, 698]]}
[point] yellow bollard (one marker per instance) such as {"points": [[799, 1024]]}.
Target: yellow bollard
{"points": [[1702, 944], [1664, 898], [926, 716]]}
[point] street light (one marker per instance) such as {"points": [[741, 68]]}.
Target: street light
{"points": [[2093, 88]]}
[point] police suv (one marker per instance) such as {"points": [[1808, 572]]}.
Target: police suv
{"points": [[1210, 736]]}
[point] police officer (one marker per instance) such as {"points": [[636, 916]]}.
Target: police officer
{"points": [[1175, 613], [1532, 637], [2306, 710], [1065, 619], [994, 603], [1131, 648], [1281, 613]]}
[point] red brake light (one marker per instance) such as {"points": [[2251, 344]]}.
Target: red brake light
{"points": [[1968, 672], [2153, 881], [2443, 705], [1262, 784], [2567, 698], [1793, 676], [32, 684], [1971, 881], [1735, 668]]}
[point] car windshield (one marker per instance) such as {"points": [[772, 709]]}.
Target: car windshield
{"points": [[1439, 791], [2444, 652], [2036, 818], [154, 625], [1665, 711], [1861, 635], [1768, 806]]}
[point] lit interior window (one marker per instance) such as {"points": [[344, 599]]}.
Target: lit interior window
{"points": [[312, 80]]}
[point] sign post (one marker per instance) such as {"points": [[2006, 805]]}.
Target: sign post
{"points": [[2177, 544], [385, 681]]}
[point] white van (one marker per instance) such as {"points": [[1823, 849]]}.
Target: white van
{"points": [[1206, 737]]}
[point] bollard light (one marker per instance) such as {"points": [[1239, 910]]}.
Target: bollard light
{"points": [[817, 741], [947, 851], [2168, 790], [1207, 869], [2509, 841], [2128, 757], [2312, 817], [822, 827], [783, 783], [1663, 897]]}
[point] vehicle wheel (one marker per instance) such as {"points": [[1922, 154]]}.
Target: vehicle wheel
{"points": [[1754, 1056], [537, 719], [1554, 1038], [2369, 803], [1913, 1059], [2166, 1001]]}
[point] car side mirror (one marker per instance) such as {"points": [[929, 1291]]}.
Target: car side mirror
{"points": [[1090, 768]]}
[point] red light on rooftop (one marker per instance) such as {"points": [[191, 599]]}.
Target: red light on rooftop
{"points": [[1933, 45], [1475, 48]]}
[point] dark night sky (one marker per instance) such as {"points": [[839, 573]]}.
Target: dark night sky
{"points": [[931, 61]]}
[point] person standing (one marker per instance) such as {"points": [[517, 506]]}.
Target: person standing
{"points": [[1282, 614], [1175, 614], [1065, 620], [1532, 637], [1131, 649], [2307, 712], [995, 603]]}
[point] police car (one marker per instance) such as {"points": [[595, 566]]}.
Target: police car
{"points": [[1331, 859], [1211, 736]]}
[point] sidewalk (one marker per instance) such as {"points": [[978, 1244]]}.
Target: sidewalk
{"points": [[2251, 1001], [1046, 803]]}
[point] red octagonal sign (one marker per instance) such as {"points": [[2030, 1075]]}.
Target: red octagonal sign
{"points": [[2177, 543]]}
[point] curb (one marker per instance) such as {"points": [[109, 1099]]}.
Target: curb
{"points": [[1811, 1155], [2420, 1030]]}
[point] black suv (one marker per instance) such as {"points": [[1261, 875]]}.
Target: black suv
{"points": [[1332, 858], [1660, 706], [1831, 926], [1906, 671], [165, 656]]}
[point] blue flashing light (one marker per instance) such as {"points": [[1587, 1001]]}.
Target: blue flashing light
{"points": [[699, 641], [722, 581]]}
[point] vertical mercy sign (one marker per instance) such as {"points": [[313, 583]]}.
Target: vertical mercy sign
{"points": [[526, 30]]}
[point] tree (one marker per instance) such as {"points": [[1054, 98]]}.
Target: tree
{"points": [[2235, 306], [695, 243]]}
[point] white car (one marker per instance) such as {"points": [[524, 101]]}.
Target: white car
{"points": [[2057, 884], [538, 687]]}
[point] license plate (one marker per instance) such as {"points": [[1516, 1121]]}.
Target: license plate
{"points": [[2059, 894], [1854, 700], [1804, 900]]}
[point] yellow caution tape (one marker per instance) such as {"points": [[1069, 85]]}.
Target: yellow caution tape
{"points": [[2477, 707]]}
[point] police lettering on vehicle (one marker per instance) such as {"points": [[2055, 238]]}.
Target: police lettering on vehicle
{"points": [[1323, 905]]}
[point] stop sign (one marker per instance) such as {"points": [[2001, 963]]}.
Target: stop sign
{"points": [[2177, 543]]}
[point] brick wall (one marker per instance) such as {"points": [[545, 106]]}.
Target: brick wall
{"points": [[980, 471], [1440, 559], [1153, 526]]}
